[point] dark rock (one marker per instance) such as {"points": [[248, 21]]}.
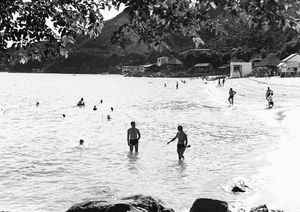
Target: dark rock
{"points": [[136, 203], [261, 208], [209, 205], [237, 189]]}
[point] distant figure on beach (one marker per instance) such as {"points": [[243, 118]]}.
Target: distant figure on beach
{"points": [[101, 101], [64, 115], [95, 108], [133, 137], [37, 104], [108, 117], [223, 82], [80, 103], [182, 142], [269, 91], [219, 82], [177, 85], [270, 100], [231, 95], [112, 109], [165, 85], [81, 141]]}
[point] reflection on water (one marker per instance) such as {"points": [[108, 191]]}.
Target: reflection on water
{"points": [[42, 166]]}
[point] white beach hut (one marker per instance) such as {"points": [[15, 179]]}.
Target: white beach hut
{"points": [[240, 69], [290, 66]]}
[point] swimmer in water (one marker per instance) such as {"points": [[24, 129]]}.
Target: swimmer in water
{"points": [[81, 141], [81, 102]]}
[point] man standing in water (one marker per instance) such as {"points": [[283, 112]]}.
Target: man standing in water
{"points": [[182, 142], [133, 137]]}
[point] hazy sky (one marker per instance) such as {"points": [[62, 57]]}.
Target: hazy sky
{"points": [[112, 13]]}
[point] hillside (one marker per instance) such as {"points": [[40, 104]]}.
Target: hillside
{"points": [[99, 55]]}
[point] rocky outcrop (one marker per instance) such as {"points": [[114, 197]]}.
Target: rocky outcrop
{"points": [[236, 189], [261, 208], [209, 205], [136, 203]]}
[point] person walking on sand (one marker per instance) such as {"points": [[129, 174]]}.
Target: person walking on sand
{"points": [[223, 82], [270, 100], [269, 91], [231, 95], [182, 142], [219, 82], [133, 137], [177, 85]]}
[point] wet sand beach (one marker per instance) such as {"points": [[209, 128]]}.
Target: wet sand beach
{"points": [[282, 187]]}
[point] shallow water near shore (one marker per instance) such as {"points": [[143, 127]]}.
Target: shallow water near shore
{"points": [[42, 167]]}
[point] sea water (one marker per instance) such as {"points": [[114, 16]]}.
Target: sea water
{"points": [[42, 167]]}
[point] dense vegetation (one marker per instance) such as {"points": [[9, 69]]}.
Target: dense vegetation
{"points": [[146, 30]]}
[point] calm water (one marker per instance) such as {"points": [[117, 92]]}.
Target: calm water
{"points": [[43, 169]]}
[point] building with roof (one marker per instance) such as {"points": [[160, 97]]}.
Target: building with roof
{"points": [[172, 65], [162, 60], [203, 68], [133, 69], [240, 69], [270, 62], [290, 66]]}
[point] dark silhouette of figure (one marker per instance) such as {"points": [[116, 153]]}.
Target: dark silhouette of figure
{"points": [[182, 142], [133, 137], [95, 108], [80, 103], [231, 95], [81, 141]]}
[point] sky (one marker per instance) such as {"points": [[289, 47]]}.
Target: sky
{"points": [[112, 13]]}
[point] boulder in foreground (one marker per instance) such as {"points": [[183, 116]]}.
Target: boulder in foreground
{"points": [[136, 203], [261, 208], [209, 205]]}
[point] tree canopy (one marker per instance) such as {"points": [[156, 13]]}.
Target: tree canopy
{"points": [[40, 29]]}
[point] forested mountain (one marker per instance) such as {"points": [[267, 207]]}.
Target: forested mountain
{"points": [[99, 55]]}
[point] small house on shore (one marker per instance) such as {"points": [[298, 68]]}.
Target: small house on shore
{"points": [[240, 69], [290, 66], [172, 65], [203, 68], [151, 68], [270, 62], [133, 69], [162, 60]]}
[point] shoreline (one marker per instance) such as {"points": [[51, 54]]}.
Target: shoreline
{"points": [[279, 174]]}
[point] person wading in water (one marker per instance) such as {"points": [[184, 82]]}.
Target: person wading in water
{"points": [[133, 137], [182, 142]]}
